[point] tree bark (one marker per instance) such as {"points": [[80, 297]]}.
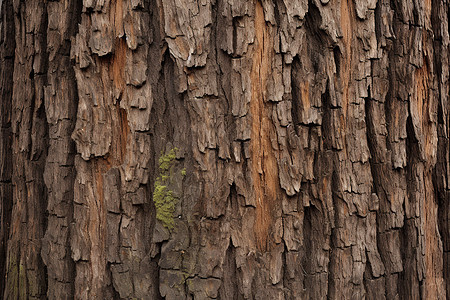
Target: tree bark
{"points": [[273, 149]]}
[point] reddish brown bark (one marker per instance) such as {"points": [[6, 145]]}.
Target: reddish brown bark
{"points": [[224, 149]]}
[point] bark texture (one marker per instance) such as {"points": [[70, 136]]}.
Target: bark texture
{"points": [[224, 149]]}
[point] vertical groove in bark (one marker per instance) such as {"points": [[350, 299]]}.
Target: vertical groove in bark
{"points": [[440, 16]]}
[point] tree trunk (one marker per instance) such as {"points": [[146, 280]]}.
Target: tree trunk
{"points": [[273, 149]]}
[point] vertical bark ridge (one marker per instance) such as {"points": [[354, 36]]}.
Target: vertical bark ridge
{"points": [[264, 167], [7, 48], [61, 101], [347, 18], [108, 246], [26, 274]]}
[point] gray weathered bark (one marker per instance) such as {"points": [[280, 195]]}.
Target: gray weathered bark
{"points": [[274, 149]]}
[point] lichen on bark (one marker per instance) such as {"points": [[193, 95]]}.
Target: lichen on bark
{"points": [[163, 197]]}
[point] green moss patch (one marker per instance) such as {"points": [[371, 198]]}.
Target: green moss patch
{"points": [[163, 197]]}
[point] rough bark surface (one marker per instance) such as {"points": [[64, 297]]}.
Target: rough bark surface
{"points": [[224, 149]]}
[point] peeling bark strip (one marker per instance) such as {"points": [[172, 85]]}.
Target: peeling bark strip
{"points": [[224, 149], [264, 166]]}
